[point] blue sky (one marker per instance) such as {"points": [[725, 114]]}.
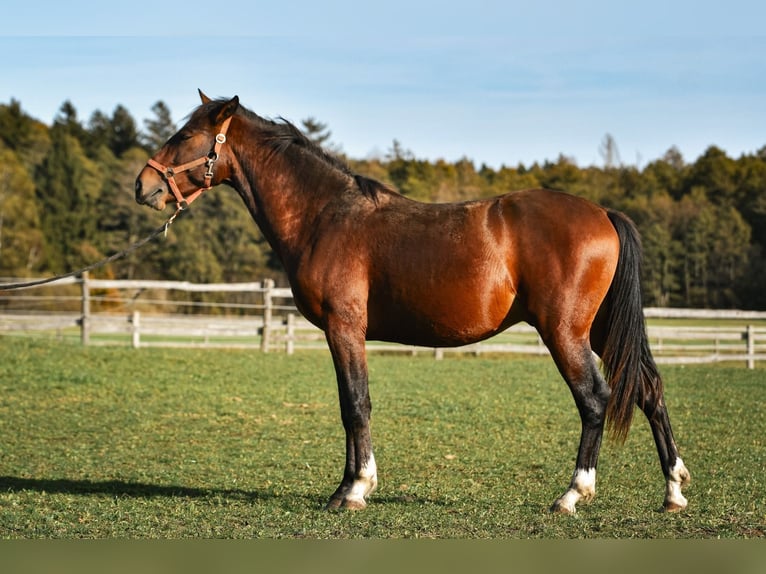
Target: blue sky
{"points": [[497, 82]]}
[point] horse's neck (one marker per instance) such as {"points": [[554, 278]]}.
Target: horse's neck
{"points": [[284, 202]]}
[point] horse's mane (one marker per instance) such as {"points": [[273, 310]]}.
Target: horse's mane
{"points": [[283, 134]]}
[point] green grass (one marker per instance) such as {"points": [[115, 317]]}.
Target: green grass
{"points": [[168, 443]]}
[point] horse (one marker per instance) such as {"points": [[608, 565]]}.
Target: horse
{"points": [[367, 263]]}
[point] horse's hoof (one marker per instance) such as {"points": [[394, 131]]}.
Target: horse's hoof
{"points": [[354, 504], [337, 504], [559, 507], [673, 507], [333, 504]]}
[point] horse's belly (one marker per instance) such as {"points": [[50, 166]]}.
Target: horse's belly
{"points": [[444, 322], [428, 334]]}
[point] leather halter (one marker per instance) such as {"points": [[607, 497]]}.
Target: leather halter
{"points": [[169, 172]]}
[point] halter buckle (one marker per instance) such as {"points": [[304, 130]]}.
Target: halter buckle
{"points": [[211, 159]]}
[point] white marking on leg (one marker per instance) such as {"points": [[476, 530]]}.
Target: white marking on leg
{"points": [[365, 483], [584, 481], [582, 487], [678, 477]]}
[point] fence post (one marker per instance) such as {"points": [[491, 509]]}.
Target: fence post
{"points": [[290, 339], [135, 320], [750, 347], [85, 309], [268, 285]]}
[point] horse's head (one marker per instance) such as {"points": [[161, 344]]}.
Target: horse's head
{"points": [[189, 163]]}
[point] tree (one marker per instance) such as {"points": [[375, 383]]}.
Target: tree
{"points": [[609, 152], [508, 179], [413, 177], [659, 276], [728, 257], [716, 174], [316, 131], [67, 121], [21, 239], [25, 136], [67, 188], [715, 242], [752, 185], [124, 134], [158, 130], [665, 175], [654, 216], [99, 133], [563, 175]]}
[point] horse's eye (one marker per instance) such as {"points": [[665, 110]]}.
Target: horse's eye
{"points": [[179, 137]]}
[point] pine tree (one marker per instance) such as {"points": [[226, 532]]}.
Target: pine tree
{"points": [[99, 133], [158, 130], [21, 240], [68, 186], [68, 122], [27, 137], [316, 131], [124, 134]]}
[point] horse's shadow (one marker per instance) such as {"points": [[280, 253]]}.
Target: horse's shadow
{"points": [[120, 488]]}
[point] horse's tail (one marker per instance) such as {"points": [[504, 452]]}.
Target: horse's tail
{"points": [[630, 369]]}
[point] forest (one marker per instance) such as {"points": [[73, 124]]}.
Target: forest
{"points": [[66, 200]]}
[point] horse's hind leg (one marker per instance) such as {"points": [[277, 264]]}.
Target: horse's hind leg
{"points": [[676, 474], [591, 393]]}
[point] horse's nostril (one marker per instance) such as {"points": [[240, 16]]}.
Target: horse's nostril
{"points": [[139, 191]]}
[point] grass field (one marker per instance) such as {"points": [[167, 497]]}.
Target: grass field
{"points": [[113, 442]]}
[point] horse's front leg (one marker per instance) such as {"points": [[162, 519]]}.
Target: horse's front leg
{"points": [[360, 476]]}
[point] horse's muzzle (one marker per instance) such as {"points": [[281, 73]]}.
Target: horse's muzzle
{"points": [[151, 189]]}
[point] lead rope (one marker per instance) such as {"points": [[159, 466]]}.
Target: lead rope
{"points": [[163, 229]]}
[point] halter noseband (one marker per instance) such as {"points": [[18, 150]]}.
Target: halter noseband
{"points": [[169, 173]]}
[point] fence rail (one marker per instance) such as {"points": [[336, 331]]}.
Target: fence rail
{"points": [[130, 312]]}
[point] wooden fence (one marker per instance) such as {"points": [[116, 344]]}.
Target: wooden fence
{"points": [[261, 316]]}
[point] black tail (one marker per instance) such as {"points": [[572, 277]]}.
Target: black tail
{"points": [[630, 368]]}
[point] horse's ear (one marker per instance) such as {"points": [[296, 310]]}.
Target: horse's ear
{"points": [[228, 109], [203, 97]]}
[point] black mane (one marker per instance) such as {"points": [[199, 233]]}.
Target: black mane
{"points": [[283, 134]]}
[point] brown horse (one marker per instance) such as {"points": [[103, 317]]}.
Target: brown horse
{"points": [[366, 263]]}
